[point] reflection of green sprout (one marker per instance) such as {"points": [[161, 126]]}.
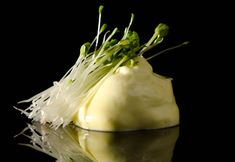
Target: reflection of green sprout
{"points": [[60, 103]]}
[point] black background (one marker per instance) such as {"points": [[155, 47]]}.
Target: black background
{"points": [[42, 42]]}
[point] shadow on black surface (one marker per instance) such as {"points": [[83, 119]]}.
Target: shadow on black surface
{"points": [[75, 144]]}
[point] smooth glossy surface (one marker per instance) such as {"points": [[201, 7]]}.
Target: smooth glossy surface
{"points": [[75, 144]]}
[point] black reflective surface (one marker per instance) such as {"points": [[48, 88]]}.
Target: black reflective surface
{"points": [[74, 144], [43, 42]]}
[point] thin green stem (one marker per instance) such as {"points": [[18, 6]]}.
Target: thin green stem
{"points": [[168, 49]]}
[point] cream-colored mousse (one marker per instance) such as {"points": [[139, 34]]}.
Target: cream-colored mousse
{"points": [[133, 98]]}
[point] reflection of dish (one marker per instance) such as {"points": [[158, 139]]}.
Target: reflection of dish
{"points": [[75, 144]]}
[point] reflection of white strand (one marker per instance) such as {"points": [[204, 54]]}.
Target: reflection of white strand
{"points": [[62, 144], [74, 144]]}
